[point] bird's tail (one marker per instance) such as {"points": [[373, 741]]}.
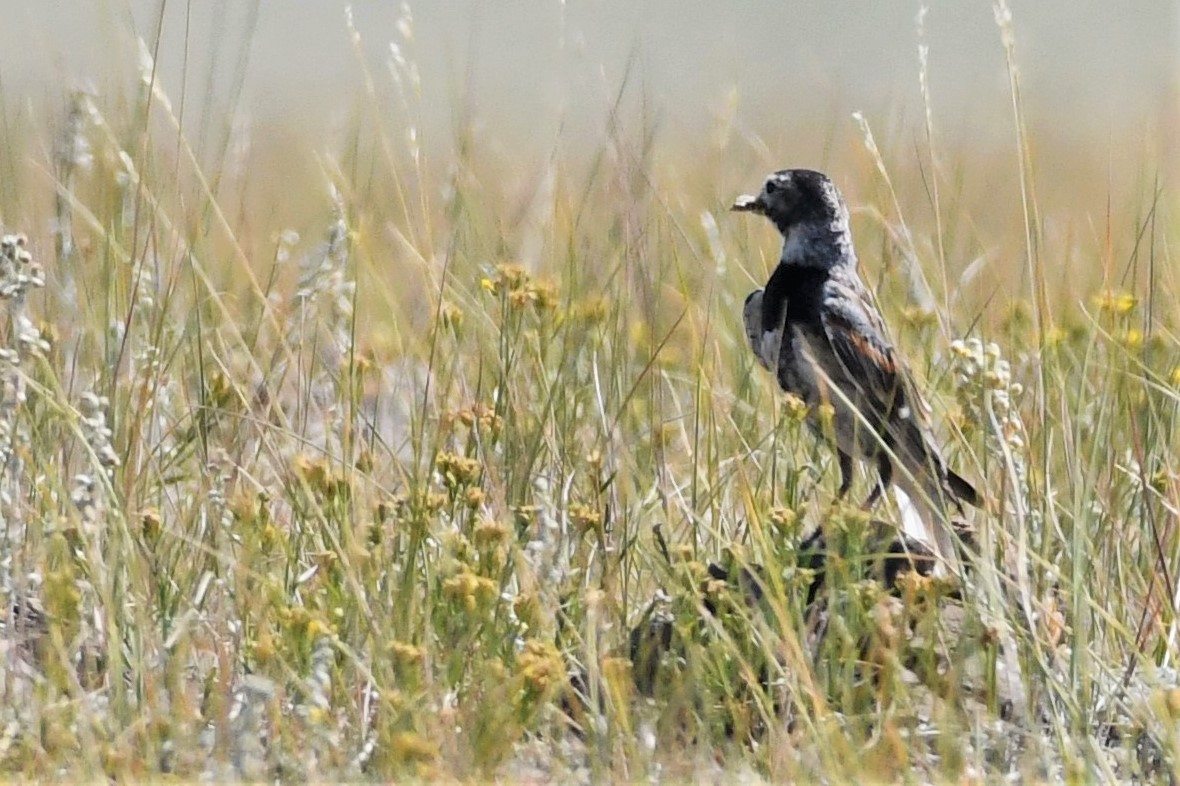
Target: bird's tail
{"points": [[933, 507], [961, 489], [922, 523]]}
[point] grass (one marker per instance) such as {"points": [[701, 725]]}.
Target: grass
{"points": [[385, 497]]}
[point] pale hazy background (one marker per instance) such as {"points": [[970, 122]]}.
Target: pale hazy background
{"points": [[1092, 69], [276, 94]]}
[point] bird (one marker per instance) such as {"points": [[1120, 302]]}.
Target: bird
{"points": [[814, 325]]}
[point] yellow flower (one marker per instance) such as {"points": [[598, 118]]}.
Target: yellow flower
{"points": [[264, 647], [541, 666], [919, 317], [452, 315], [783, 518], [471, 589], [457, 470], [585, 518], [316, 628], [639, 333], [511, 276], [487, 418], [520, 297], [525, 515], [475, 497], [490, 533], [545, 295], [527, 608], [1055, 336], [313, 471], [411, 747], [794, 408], [1133, 339], [150, 520], [592, 309], [1115, 302], [406, 654], [827, 416]]}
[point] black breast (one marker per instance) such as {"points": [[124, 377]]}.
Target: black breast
{"points": [[798, 291]]}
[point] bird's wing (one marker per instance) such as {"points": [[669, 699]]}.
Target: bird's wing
{"points": [[856, 335], [752, 320], [765, 339]]}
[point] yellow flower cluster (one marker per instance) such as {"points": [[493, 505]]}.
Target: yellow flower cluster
{"points": [[590, 310], [299, 619], [585, 517], [525, 515], [457, 471], [918, 317], [451, 316], [313, 471], [410, 747], [1132, 338], [521, 289], [1115, 302], [541, 667], [490, 533], [474, 497], [471, 590], [527, 608], [794, 408], [319, 477], [483, 416], [479, 416], [784, 520], [406, 655]]}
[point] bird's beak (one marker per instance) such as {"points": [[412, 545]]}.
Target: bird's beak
{"points": [[748, 204]]}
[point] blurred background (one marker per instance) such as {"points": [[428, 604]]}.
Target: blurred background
{"points": [[1090, 69], [712, 95]]}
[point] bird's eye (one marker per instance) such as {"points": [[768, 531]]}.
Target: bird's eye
{"points": [[771, 186]]}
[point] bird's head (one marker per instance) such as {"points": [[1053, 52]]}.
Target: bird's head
{"points": [[794, 198]]}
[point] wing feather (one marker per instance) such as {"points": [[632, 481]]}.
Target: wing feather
{"points": [[886, 393], [856, 335]]}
